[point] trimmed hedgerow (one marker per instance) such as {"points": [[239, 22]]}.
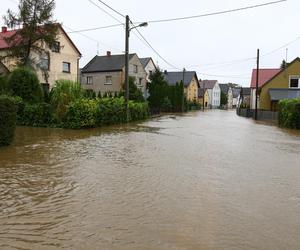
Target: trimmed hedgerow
{"points": [[8, 116], [36, 115], [289, 113]]}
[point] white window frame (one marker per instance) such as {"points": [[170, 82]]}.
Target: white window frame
{"points": [[69, 67], [294, 77], [89, 80], [106, 80]]}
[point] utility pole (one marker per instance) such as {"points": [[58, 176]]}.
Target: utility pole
{"points": [[203, 103], [256, 90], [127, 67], [183, 76]]}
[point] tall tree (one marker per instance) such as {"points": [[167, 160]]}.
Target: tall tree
{"points": [[38, 31], [283, 64]]}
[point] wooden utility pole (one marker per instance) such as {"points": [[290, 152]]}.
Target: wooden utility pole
{"points": [[203, 102], [127, 67], [183, 76], [256, 89]]}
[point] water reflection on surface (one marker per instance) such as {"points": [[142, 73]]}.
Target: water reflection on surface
{"points": [[199, 181]]}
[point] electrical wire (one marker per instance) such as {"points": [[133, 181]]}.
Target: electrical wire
{"points": [[111, 8], [215, 13], [97, 28]]}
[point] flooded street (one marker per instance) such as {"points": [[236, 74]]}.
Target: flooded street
{"points": [[198, 181]]}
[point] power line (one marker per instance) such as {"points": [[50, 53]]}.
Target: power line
{"points": [[106, 12], [215, 13], [97, 28], [111, 8], [154, 50]]}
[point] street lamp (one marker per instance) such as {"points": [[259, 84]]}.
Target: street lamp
{"points": [[127, 34]]}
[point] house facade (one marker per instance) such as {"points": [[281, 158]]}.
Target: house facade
{"points": [[214, 92], [190, 82], [60, 62], [264, 76], [203, 97], [107, 73], [227, 90], [284, 85], [149, 66]]}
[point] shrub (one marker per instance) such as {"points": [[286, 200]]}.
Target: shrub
{"points": [[24, 82], [36, 115], [138, 111], [4, 89], [289, 113], [63, 93], [111, 111], [81, 113], [8, 115]]}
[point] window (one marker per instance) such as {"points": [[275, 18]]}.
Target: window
{"points": [[140, 81], [45, 63], [295, 82], [135, 69], [89, 80], [66, 67], [108, 80], [56, 47]]}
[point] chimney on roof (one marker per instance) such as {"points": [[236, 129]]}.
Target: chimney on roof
{"points": [[4, 29], [108, 53], [166, 72]]}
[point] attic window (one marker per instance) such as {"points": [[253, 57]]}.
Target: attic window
{"points": [[55, 47], [295, 82]]}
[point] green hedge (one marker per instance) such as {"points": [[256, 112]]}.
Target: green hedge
{"points": [[87, 113], [289, 113], [36, 115], [8, 116]]}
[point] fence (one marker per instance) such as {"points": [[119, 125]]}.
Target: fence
{"points": [[262, 115]]}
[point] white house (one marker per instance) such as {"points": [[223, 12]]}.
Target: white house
{"points": [[214, 92], [149, 67]]}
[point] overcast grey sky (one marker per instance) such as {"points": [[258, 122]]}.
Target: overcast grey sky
{"points": [[197, 44]]}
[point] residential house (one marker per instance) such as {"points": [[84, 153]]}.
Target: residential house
{"points": [[214, 92], [107, 73], [227, 90], [60, 62], [203, 97], [283, 85], [235, 96], [264, 76], [150, 68], [245, 97], [190, 82]]}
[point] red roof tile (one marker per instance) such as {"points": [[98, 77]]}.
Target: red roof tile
{"points": [[264, 76], [7, 34]]}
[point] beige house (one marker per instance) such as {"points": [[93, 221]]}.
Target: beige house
{"points": [[107, 73], [190, 82], [60, 62]]}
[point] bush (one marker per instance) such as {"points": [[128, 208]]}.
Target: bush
{"points": [[111, 111], [63, 93], [289, 113], [36, 115], [8, 116], [193, 105], [4, 89], [81, 114], [24, 82], [138, 111]]}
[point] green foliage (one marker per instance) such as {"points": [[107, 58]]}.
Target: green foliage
{"points": [[244, 106], [36, 16], [36, 115], [90, 94], [99, 94], [193, 105], [111, 111], [138, 110], [4, 88], [81, 113], [166, 104], [134, 93], [289, 113], [63, 93], [8, 116], [24, 82], [224, 99]]}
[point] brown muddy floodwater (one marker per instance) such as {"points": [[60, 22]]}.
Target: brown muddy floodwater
{"points": [[199, 181]]}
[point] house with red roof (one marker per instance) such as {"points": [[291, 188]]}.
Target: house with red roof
{"points": [[275, 85], [61, 61], [264, 76]]}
